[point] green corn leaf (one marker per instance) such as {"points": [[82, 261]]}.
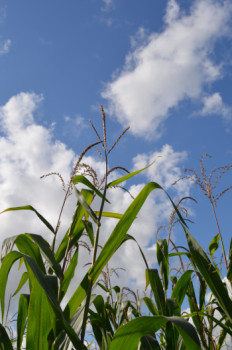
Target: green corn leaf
{"points": [[210, 274], [21, 318], [69, 273], [152, 278], [229, 271], [162, 257], [128, 176], [150, 305], [213, 246], [46, 252], [109, 214], [34, 268], [5, 343], [89, 229], [26, 246], [5, 268], [39, 322], [82, 179], [128, 336], [181, 287], [85, 205], [23, 280], [29, 207], [113, 243]]}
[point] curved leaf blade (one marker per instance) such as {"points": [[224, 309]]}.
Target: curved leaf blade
{"points": [[29, 207]]}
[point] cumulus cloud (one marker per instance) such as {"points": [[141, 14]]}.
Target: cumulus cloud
{"points": [[213, 104], [169, 67]]}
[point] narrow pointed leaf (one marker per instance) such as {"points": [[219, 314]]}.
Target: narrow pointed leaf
{"points": [[213, 246], [23, 280], [210, 274], [69, 273], [180, 289], [128, 176], [29, 207], [85, 205], [21, 318], [82, 179], [162, 257], [152, 277], [109, 214]]}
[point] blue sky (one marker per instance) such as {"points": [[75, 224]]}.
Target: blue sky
{"points": [[162, 67]]}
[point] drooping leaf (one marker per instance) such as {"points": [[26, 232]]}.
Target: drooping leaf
{"points": [[46, 252], [128, 336], [29, 207], [26, 246]]}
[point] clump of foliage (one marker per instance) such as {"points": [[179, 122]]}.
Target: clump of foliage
{"points": [[116, 320]]}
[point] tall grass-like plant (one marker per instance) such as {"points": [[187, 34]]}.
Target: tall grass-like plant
{"points": [[41, 320]]}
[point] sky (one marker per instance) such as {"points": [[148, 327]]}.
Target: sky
{"points": [[161, 67]]}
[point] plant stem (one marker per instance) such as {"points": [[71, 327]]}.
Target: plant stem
{"points": [[219, 231], [94, 253]]}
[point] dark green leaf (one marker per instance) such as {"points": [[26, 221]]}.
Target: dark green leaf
{"points": [[5, 343], [21, 319]]}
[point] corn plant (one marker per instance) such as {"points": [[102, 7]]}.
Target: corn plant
{"points": [[41, 321]]}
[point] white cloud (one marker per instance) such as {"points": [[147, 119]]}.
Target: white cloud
{"points": [[169, 67], [213, 104], [5, 47]]}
